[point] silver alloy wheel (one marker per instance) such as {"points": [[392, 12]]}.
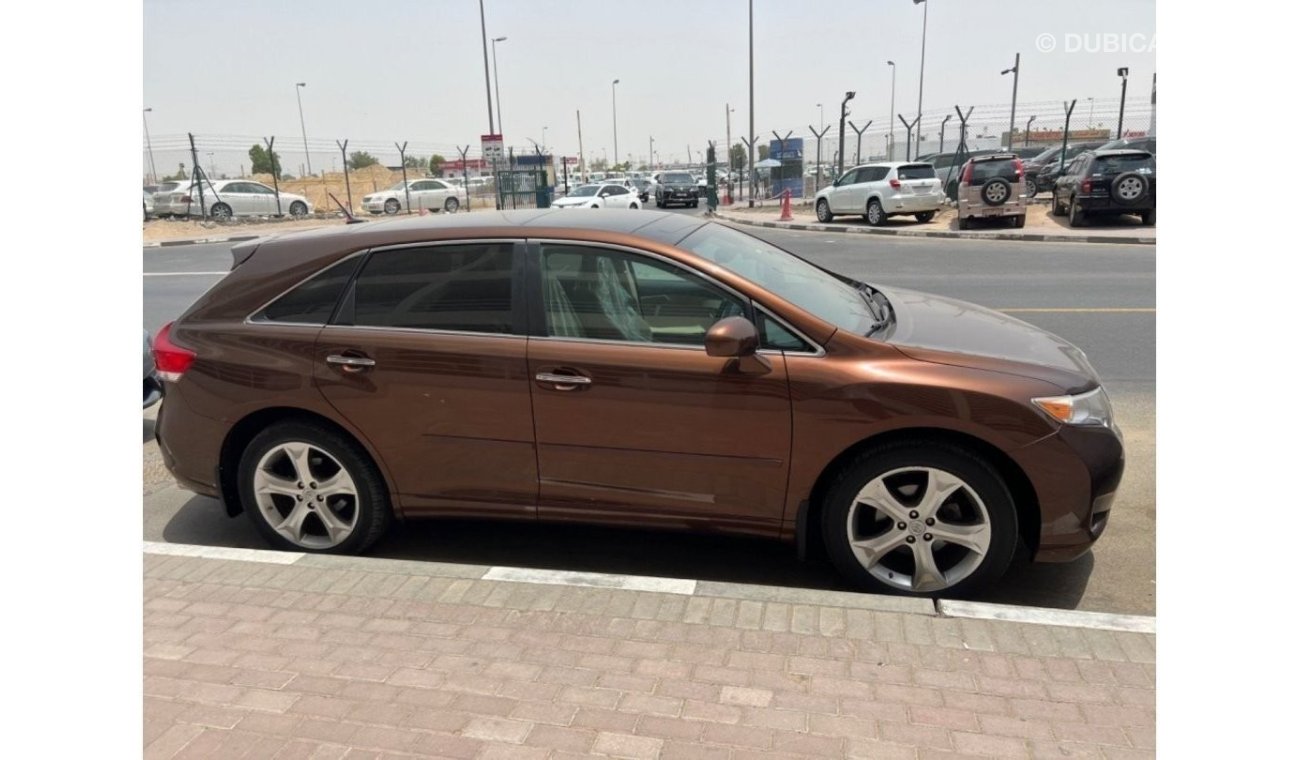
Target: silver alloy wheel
{"points": [[997, 193], [874, 213], [298, 209], [1031, 188], [221, 212], [823, 210], [391, 206], [306, 495], [927, 513], [1129, 189], [451, 205]]}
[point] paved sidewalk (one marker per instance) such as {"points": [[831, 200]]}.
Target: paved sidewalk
{"points": [[281, 655]]}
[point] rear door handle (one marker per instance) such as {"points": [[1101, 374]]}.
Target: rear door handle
{"points": [[563, 380], [350, 363]]}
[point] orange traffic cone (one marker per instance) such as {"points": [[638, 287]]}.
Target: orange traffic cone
{"points": [[786, 216], [726, 198]]}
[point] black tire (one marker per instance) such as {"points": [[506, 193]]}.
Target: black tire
{"points": [[996, 191], [695, 204], [1019, 222], [963, 222], [392, 206], [1149, 217], [1056, 206], [451, 205], [824, 211], [658, 203], [1129, 188], [1031, 187], [374, 512], [875, 215], [221, 212], [924, 217], [979, 476], [1076, 214], [298, 209]]}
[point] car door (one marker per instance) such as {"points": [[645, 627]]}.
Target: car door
{"points": [[1065, 184], [839, 191], [635, 422], [427, 358], [240, 198], [262, 197], [437, 193], [419, 195]]}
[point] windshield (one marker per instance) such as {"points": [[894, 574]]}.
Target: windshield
{"points": [[584, 191], [788, 276], [677, 177]]}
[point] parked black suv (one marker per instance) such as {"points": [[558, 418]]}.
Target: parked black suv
{"points": [[1042, 170], [1107, 182], [677, 187]]}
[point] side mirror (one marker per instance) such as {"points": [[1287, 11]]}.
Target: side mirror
{"points": [[733, 337]]}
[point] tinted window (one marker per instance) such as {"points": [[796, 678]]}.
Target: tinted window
{"points": [[1119, 164], [453, 287], [673, 177], [987, 170], [313, 301], [600, 294], [916, 171], [774, 335]]}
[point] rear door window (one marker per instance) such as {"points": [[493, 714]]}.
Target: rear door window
{"points": [[1119, 164], [467, 288]]}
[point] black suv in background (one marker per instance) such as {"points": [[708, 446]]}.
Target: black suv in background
{"points": [[1042, 170], [1107, 183], [677, 187]]}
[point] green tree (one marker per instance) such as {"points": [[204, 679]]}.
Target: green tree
{"points": [[738, 156], [361, 159], [435, 164], [416, 162], [264, 162]]}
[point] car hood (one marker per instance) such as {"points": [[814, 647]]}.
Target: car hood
{"points": [[948, 331]]}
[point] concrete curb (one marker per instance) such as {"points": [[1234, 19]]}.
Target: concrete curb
{"points": [[1016, 236], [685, 587], [200, 241]]}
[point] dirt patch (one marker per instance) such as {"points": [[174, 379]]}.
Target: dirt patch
{"points": [[178, 229]]}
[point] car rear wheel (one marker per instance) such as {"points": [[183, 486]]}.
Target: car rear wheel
{"points": [[1019, 222], [1149, 217], [298, 209], [1031, 187], [1076, 213], [309, 488], [1056, 205], [391, 206], [824, 211], [451, 205], [875, 215], [221, 212], [996, 192], [924, 217], [919, 519]]}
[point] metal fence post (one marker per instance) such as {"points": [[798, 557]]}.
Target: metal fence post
{"points": [[1065, 133], [401, 151], [857, 153], [347, 182], [197, 174], [818, 183], [464, 171], [275, 173], [908, 148]]}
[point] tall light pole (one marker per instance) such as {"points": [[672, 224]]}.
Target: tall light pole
{"points": [[753, 173], [731, 165], [613, 94], [652, 152], [153, 173], [1122, 73], [893, 70], [942, 126], [1090, 105], [496, 75], [487, 78], [1029, 124], [297, 88], [844, 114], [920, 88], [543, 129], [1015, 86]]}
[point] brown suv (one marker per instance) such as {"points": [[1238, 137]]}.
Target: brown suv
{"points": [[992, 187], [630, 368]]}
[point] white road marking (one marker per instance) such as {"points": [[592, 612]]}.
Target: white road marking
{"points": [[186, 274], [593, 580], [1104, 621], [223, 552]]}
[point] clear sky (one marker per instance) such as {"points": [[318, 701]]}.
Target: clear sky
{"points": [[413, 70]]}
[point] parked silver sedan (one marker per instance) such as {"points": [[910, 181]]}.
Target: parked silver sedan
{"points": [[226, 198], [430, 194]]}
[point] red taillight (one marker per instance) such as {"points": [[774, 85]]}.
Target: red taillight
{"points": [[895, 184], [1020, 170], [969, 173], [1087, 185], [170, 359]]}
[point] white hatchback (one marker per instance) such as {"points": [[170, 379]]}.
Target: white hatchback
{"points": [[879, 191]]}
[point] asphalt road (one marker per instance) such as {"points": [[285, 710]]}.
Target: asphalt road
{"points": [[1099, 297]]}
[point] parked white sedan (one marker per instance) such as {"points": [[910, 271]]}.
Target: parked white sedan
{"points": [[235, 197], [607, 195], [430, 194], [879, 191]]}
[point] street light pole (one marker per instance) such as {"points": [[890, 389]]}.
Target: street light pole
{"points": [[942, 125], [844, 114], [753, 173], [1123, 95], [731, 165], [487, 77], [613, 94], [1029, 124], [496, 76], [1090, 106], [298, 91], [1015, 87], [893, 70], [153, 172], [920, 88]]}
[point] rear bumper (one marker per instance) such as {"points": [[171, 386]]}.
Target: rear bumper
{"points": [[970, 210], [1075, 474], [190, 445], [1104, 204], [912, 204]]}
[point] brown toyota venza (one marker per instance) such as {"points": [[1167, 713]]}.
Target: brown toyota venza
{"points": [[630, 368]]}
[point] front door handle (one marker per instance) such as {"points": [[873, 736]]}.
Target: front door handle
{"points": [[563, 382], [351, 364]]}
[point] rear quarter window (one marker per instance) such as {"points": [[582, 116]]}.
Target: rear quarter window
{"points": [[313, 301]]}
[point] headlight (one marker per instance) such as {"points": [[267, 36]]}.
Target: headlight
{"points": [[1091, 408]]}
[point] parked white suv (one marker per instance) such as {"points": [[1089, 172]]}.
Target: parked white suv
{"points": [[881, 190]]}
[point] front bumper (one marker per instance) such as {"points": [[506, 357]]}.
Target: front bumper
{"points": [[1075, 474]]}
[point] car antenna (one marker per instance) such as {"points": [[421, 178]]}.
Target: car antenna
{"points": [[351, 219]]}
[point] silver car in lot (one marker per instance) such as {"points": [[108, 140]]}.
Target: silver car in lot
{"points": [[226, 198], [425, 194]]}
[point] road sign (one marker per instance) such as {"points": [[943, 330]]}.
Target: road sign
{"points": [[493, 148]]}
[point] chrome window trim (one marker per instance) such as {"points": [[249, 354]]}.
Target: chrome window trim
{"points": [[423, 331], [819, 350]]}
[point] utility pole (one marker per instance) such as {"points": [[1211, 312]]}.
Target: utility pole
{"points": [[153, 172], [487, 78], [893, 71], [613, 94], [1029, 124], [1015, 87], [844, 113], [297, 88], [582, 157], [943, 125], [496, 75], [753, 173], [730, 164], [920, 88]]}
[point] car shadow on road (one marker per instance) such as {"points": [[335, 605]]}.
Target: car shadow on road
{"points": [[1103, 222], [666, 554]]}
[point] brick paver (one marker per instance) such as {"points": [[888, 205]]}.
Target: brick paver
{"points": [[392, 660]]}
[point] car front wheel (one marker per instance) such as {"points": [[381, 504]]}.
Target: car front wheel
{"points": [[391, 206], [925, 216], [451, 206], [298, 209], [875, 215], [1076, 213], [824, 211], [920, 519], [309, 488]]}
